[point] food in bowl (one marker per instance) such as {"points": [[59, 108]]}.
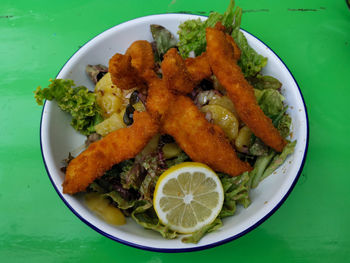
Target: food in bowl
{"points": [[150, 151]]}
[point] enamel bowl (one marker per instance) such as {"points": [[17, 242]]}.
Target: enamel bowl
{"points": [[58, 138]]}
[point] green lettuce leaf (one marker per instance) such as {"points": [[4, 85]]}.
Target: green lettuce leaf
{"points": [[283, 125], [151, 165], [260, 166], [266, 165], [164, 40], [250, 62], [279, 159], [270, 101], [258, 148], [192, 32], [77, 101], [145, 216], [261, 82], [236, 191], [120, 201], [191, 35], [132, 175], [192, 38], [197, 235]]}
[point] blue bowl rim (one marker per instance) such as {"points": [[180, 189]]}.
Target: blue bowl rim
{"points": [[191, 249]]}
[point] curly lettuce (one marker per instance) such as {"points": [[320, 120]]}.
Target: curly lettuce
{"points": [[250, 62], [77, 101], [144, 215], [270, 101], [192, 38], [192, 32]]}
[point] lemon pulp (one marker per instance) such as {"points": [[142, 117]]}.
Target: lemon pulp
{"points": [[188, 196]]}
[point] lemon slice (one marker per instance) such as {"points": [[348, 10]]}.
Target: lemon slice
{"points": [[188, 196]]}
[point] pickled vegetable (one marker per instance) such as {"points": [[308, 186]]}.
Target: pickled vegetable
{"points": [[204, 97], [243, 139], [223, 118], [171, 150], [225, 102]]}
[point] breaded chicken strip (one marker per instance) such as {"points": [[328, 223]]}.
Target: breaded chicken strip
{"points": [[175, 72], [236, 50], [142, 57], [123, 74], [116, 147], [159, 96], [127, 70], [180, 117], [202, 141], [224, 65], [198, 68]]}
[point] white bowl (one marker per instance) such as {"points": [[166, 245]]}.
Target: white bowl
{"points": [[58, 138]]}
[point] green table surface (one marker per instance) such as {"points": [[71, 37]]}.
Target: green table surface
{"points": [[311, 37]]}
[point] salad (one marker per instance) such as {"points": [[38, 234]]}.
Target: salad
{"points": [[129, 185]]}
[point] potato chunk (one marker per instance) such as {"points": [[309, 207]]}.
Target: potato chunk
{"points": [[108, 96], [114, 122]]}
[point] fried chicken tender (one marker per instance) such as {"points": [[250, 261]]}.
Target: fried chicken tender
{"points": [[236, 50], [158, 95], [127, 70], [202, 141], [116, 147], [180, 117], [198, 68], [175, 72], [123, 74], [142, 57], [224, 65], [183, 75]]}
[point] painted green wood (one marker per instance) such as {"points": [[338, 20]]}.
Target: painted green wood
{"points": [[313, 39]]}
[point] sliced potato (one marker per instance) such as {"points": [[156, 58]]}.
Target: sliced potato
{"points": [[243, 139], [114, 122], [102, 207], [108, 96], [110, 104], [223, 118], [105, 84]]}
